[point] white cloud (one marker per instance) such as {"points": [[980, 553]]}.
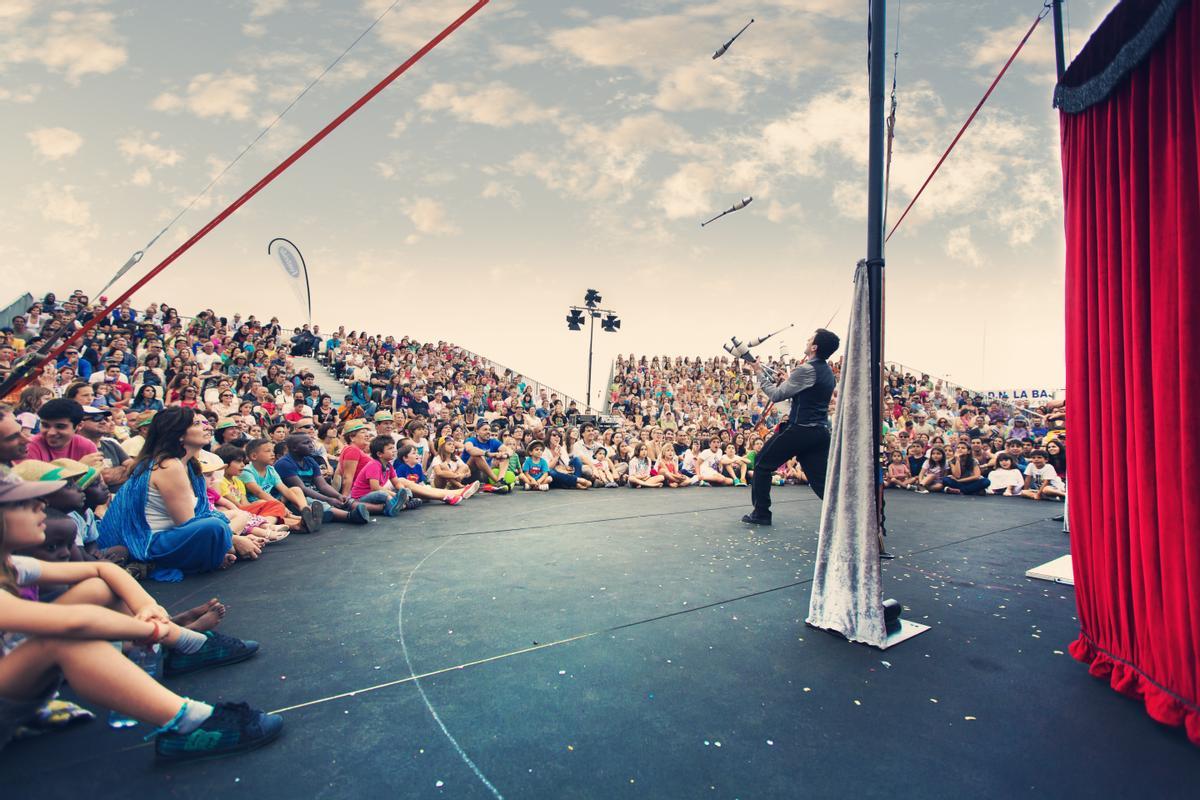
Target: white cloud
{"points": [[385, 169], [226, 95], [254, 30], [696, 86], [141, 177], [55, 143], [991, 48], [497, 190], [142, 148], [961, 247], [25, 94], [513, 55], [265, 8], [429, 217], [850, 199], [496, 104], [14, 12], [60, 204], [73, 43], [687, 193], [606, 163], [782, 212]]}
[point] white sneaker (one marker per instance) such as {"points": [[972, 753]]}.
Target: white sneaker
{"points": [[544, 487]]}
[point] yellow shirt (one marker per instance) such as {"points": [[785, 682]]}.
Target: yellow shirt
{"points": [[234, 489]]}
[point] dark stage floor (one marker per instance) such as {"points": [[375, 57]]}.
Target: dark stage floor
{"points": [[643, 644]]}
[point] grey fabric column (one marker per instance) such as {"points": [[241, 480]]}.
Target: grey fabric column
{"points": [[847, 590]]}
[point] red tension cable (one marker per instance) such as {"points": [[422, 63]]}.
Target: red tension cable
{"points": [[256, 188], [970, 119]]}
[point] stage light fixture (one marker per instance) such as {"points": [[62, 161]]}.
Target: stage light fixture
{"points": [[575, 320], [592, 298], [610, 323]]}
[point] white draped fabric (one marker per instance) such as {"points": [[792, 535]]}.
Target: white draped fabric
{"points": [[847, 590]]}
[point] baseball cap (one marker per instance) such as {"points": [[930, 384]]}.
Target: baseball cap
{"points": [[93, 411]]}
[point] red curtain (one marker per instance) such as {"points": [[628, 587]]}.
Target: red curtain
{"points": [[1131, 183]]}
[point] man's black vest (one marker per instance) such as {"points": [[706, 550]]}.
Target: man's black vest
{"points": [[811, 406]]}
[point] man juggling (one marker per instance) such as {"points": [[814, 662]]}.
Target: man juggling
{"points": [[805, 434]]}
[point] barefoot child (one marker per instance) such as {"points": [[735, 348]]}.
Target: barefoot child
{"points": [[43, 643]]}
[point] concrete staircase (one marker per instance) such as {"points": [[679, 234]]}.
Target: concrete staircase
{"points": [[329, 384]]}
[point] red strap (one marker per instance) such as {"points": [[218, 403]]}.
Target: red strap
{"points": [[970, 119]]}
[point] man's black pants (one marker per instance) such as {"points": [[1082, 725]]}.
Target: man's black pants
{"points": [[810, 443]]}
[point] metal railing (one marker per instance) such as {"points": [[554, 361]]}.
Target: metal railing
{"points": [[535, 387], [952, 388]]}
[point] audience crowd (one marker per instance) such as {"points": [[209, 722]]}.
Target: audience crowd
{"points": [[160, 446]]}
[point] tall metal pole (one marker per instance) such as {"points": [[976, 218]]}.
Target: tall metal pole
{"points": [[591, 336], [875, 216], [1059, 58]]}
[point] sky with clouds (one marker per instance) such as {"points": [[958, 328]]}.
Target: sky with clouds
{"points": [[547, 148]]}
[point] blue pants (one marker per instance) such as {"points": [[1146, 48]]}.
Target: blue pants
{"points": [[196, 546], [567, 480], [976, 486]]}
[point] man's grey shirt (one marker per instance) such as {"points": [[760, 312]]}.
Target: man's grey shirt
{"points": [[802, 377]]}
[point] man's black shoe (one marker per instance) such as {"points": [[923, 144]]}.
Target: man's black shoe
{"points": [[755, 520]]}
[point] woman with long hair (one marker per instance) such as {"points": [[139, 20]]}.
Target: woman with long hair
{"points": [[150, 372], [145, 403], [162, 515], [32, 398], [965, 476], [933, 470]]}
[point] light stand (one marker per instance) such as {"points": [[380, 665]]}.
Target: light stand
{"points": [[610, 323]]}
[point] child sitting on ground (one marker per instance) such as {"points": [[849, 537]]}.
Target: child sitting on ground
{"points": [[374, 485], [449, 470], [898, 476], [43, 643], [603, 469], [668, 468], [641, 472], [734, 465], [406, 457], [233, 488], [263, 484], [1005, 479], [1041, 479], [256, 527], [535, 471]]}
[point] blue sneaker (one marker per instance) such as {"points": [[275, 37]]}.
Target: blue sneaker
{"points": [[392, 506], [218, 651], [232, 728]]}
